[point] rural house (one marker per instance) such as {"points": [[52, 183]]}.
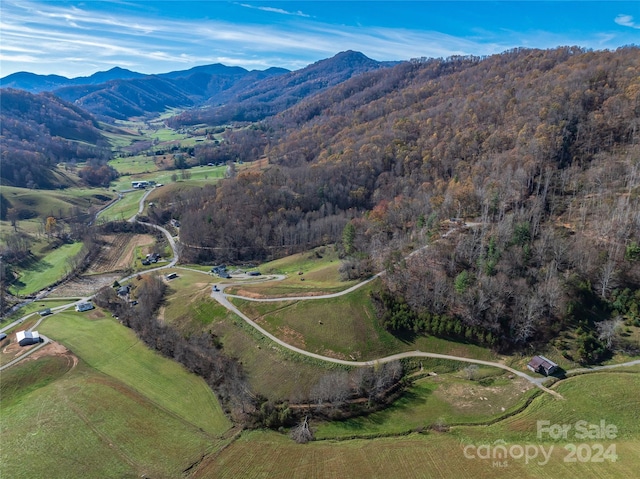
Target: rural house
{"points": [[542, 365], [25, 338]]}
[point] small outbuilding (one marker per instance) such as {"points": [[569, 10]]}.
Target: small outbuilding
{"points": [[171, 276], [542, 365], [2, 336], [80, 307], [26, 338]]}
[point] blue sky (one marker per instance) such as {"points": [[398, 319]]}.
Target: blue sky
{"points": [[78, 38]]}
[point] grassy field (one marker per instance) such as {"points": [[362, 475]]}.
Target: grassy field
{"points": [[596, 397], [124, 208], [115, 350], [65, 421], [312, 272], [345, 327], [272, 372], [56, 203], [447, 398], [44, 271], [35, 306], [133, 165], [342, 327]]}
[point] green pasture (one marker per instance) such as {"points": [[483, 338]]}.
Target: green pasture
{"points": [[313, 272], [133, 165], [124, 208], [432, 455], [116, 351], [35, 307], [342, 327], [345, 327], [61, 420], [611, 397], [45, 270], [445, 398], [56, 203]]}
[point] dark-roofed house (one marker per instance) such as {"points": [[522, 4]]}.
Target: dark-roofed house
{"points": [[25, 338], [542, 365]]}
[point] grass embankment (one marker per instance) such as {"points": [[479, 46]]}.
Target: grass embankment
{"points": [[272, 371], [345, 327], [311, 273], [44, 270], [124, 208]]}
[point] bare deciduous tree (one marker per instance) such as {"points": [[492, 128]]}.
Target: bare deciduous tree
{"points": [[302, 433]]}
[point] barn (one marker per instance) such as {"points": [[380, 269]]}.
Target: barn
{"points": [[25, 338], [542, 365]]}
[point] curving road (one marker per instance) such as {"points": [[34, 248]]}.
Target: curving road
{"points": [[221, 297]]}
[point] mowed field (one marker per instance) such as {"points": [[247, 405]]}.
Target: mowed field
{"points": [[609, 397], [109, 408]]}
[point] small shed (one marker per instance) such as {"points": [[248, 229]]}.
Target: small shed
{"points": [[172, 276], [80, 307], [45, 312], [2, 336], [542, 365], [26, 338]]}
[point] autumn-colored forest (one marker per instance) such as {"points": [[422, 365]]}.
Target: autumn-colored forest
{"points": [[537, 150]]}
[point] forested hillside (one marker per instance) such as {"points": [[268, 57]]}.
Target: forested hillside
{"points": [[537, 149], [38, 131], [261, 99]]}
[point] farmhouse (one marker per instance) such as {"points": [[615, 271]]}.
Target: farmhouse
{"points": [[80, 307], [542, 365], [139, 184], [25, 338]]}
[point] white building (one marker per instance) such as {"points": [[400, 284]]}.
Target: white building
{"points": [[25, 338]]}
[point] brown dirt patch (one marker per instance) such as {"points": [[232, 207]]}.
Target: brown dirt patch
{"points": [[55, 349], [473, 396], [84, 285], [291, 336], [118, 252]]}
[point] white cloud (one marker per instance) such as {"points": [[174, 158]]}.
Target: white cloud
{"points": [[275, 10], [626, 21], [51, 37]]}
